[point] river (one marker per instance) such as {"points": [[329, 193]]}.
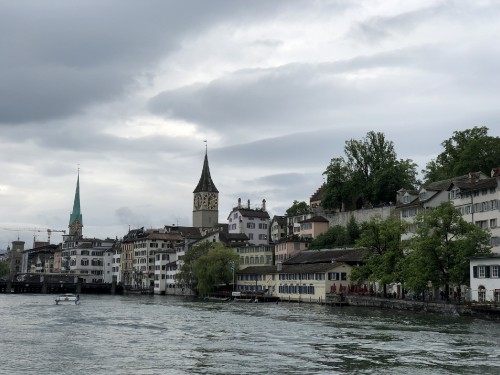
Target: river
{"points": [[172, 335]]}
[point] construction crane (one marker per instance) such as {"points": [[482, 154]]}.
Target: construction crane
{"points": [[49, 231]]}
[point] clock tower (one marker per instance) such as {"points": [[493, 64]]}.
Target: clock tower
{"points": [[205, 200]]}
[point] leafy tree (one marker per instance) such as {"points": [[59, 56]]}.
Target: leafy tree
{"points": [[214, 268], [441, 248], [384, 251], [185, 275], [370, 174], [337, 236], [298, 208], [470, 150]]}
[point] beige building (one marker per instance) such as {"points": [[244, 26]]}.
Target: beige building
{"points": [[311, 276]]}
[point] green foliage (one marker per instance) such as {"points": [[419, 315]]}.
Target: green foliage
{"points": [[214, 268], [470, 150], [384, 255], [370, 174], [185, 275], [337, 236], [441, 248], [298, 208], [4, 269]]}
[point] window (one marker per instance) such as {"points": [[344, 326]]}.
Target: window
{"points": [[250, 236], [333, 276], [262, 226], [494, 271], [493, 223], [251, 225], [262, 236], [482, 272], [482, 224], [84, 262]]}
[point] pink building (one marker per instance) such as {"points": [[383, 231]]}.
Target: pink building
{"points": [[313, 227], [289, 247]]}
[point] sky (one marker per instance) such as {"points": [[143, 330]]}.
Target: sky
{"points": [[127, 92]]}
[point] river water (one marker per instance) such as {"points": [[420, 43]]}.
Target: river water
{"points": [[173, 335]]}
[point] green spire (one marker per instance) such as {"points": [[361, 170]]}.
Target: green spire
{"points": [[76, 214]]}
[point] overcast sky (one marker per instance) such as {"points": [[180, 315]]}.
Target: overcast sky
{"points": [[129, 90]]}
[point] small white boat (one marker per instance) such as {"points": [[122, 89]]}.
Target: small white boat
{"points": [[68, 299]]}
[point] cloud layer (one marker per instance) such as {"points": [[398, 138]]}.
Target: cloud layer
{"points": [[129, 92]]}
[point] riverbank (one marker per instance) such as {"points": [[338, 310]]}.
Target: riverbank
{"points": [[437, 307]]}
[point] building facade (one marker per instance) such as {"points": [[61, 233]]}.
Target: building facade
{"points": [[254, 223]]}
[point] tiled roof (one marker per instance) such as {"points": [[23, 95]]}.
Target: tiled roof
{"points": [[164, 236], [248, 212], [315, 219], [476, 185], [289, 268], [326, 256], [318, 195]]}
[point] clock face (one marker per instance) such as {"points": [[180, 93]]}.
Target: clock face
{"points": [[212, 201], [197, 201]]}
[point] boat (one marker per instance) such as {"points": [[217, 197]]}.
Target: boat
{"points": [[68, 299]]}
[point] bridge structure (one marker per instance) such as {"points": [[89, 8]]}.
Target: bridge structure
{"points": [[56, 283]]}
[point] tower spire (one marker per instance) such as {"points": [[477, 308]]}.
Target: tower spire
{"points": [[205, 184], [75, 218]]}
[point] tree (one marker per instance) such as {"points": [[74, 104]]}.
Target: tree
{"points": [[470, 150], [371, 174], [185, 276], [384, 251], [214, 268], [337, 236], [441, 248], [298, 208]]}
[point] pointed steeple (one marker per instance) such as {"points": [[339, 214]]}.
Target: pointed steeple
{"points": [[206, 184], [75, 218]]}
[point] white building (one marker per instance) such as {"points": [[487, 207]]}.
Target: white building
{"points": [[485, 279], [252, 222], [84, 257]]}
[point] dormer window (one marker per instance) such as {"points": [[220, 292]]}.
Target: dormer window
{"points": [[455, 194], [406, 198], [422, 195]]}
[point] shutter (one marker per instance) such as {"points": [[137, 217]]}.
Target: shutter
{"points": [[487, 272], [474, 272]]}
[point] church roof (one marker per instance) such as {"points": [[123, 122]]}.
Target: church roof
{"points": [[205, 184]]}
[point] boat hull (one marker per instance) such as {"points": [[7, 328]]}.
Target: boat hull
{"points": [[67, 300]]}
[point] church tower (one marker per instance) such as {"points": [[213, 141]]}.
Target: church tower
{"points": [[205, 200], [75, 218]]}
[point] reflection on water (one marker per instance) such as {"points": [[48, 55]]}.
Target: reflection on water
{"points": [[173, 335]]}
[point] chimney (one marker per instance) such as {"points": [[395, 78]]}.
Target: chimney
{"points": [[263, 205], [239, 202], [249, 204]]}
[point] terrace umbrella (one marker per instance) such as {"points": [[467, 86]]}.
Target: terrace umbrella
{"points": [[341, 288], [348, 291], [334, 288]]}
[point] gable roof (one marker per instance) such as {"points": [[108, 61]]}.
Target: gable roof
{"points": [[248, 212], [326, 256], [315, 219]]}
